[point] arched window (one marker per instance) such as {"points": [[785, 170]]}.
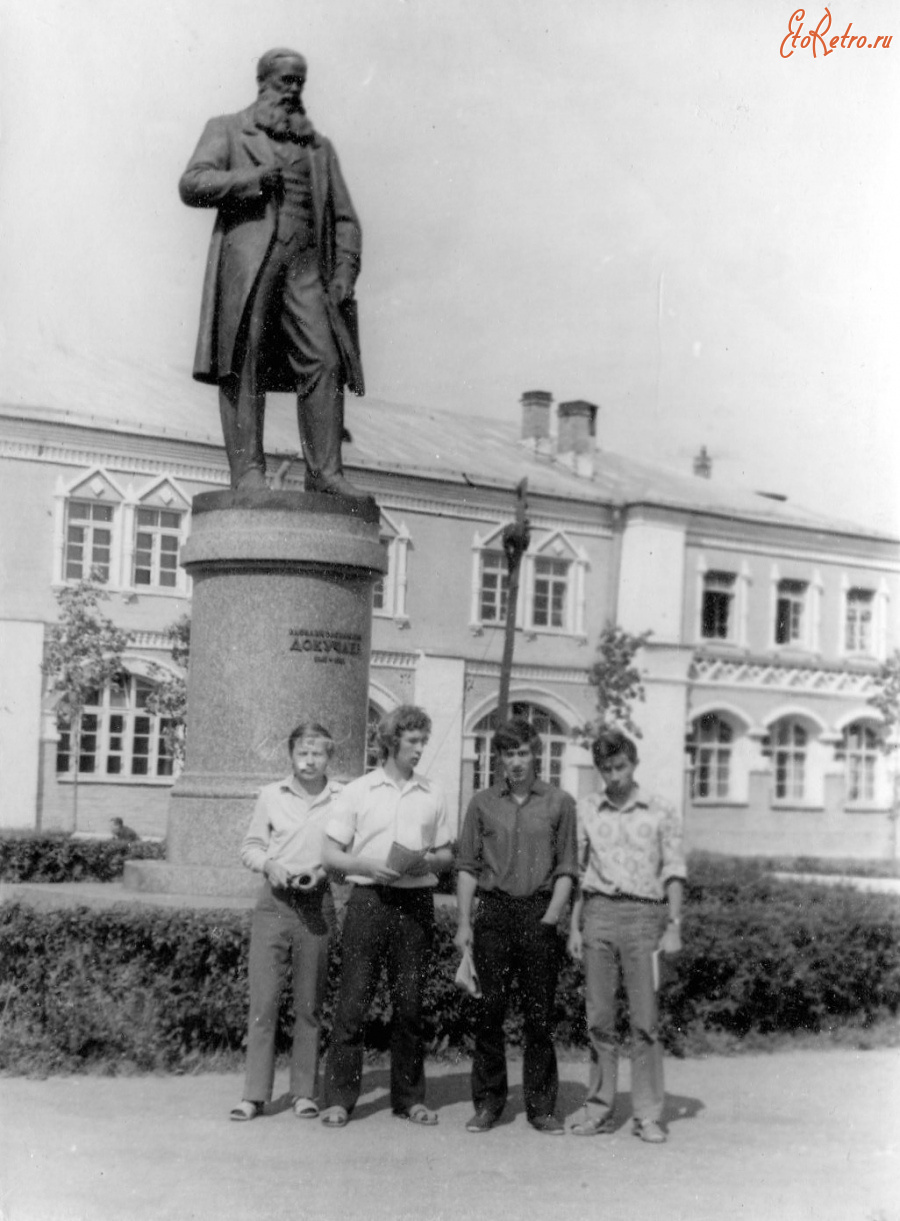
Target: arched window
{"points": [[859, 750], [119, 735], [553, 738], [710, 744], [789, 742]]}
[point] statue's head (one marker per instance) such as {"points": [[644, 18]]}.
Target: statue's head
{"points": [[281, 75]]}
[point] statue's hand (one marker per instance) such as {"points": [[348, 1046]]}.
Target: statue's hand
{"points": [[271, 181], [339, 290]]}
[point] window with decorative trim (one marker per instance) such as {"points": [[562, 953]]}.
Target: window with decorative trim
{"points": [[859, 620], [551, 590], [389, 591], [550, 593], [553, 743], [717, 608], [493, 588], [860, 752], [88, 541], [119, 737], [710, 746], [788, 745], [157, 540], [792, 612]]}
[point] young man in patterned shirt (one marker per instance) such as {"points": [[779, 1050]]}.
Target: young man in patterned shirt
{"points": [[631, 874]]}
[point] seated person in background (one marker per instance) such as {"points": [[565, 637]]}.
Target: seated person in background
{"points": [[390, 834], [293, 920], [121, 831], [628, 906]]}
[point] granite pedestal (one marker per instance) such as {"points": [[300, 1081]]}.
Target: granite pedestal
{"points": [[280, 632]]}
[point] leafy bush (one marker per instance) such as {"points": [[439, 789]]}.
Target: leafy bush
{"points": [[147, 988], [61, 858]]}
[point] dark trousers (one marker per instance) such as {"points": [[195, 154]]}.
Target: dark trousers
{"points": [[288, 315], [511, 943], [383, 925]]}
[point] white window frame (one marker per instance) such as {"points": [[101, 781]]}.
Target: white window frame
{"points": [[717, 750], [96, 487], [164, 495], [395, 538], [502, 591], [802, 598], [556, 546], [879, 599], [792, 752], [873, 760], [118, 743]]}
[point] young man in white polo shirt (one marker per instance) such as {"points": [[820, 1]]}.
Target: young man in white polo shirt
{"points": [[390, 834]]}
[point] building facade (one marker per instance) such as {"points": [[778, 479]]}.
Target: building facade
{"points": [[767, 622]]}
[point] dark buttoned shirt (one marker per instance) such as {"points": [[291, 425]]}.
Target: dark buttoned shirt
{"points": [[520, 849]]}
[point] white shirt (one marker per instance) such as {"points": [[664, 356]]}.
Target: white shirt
{"points": [[288, 826], [373, 812]]}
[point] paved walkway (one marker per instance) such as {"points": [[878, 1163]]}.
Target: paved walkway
{"points": [[792, 1136]]}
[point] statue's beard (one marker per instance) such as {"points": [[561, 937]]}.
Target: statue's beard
{"points": [[271, 113]]}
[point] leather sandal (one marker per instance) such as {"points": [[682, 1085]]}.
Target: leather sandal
{"points": [[592, 1127], [245, 1111], [420, 1114], [335, 1117]]}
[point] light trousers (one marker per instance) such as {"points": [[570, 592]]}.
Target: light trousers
{"points": [[620, 935], [289, 929]]}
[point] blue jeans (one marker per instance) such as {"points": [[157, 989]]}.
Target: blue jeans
{"points": [[395, 927], [287, 927], [622, 934]]}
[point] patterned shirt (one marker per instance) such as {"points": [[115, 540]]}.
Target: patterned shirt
{"points": [[632, 851]]}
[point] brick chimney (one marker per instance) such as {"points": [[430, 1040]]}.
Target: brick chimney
{"points": [[536, 415], [703, 464], [577, 427]]}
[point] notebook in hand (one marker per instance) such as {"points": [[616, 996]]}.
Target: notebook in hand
{"points": [[406, 860]]}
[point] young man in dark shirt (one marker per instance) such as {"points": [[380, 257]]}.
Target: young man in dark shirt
{"points": [[518, 853]]}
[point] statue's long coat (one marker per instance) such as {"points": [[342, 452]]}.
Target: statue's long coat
{"points": [[224, 173]]}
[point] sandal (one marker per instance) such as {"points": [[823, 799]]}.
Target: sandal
{"points": [[305, 1108], [420, 1114], [245, 1110], [593, 1127], [335, 1117]]}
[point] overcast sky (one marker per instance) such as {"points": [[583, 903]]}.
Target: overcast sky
{"points": [[637, 203]]}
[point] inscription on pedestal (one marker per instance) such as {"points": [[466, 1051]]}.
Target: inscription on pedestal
{"points": [[336, 648]]}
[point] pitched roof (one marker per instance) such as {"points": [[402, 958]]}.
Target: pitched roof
{"points": [[126, 397]]}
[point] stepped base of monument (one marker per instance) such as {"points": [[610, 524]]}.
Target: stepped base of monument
{"points": [[161, 877]]}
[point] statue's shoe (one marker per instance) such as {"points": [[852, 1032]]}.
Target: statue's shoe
{"points": [[335, 485], [252, 481]]}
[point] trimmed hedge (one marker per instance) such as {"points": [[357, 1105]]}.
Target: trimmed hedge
{"points": [[60, 858], [148, 988]]}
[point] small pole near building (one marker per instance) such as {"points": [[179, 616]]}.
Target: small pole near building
{"points": [[516, 537]]}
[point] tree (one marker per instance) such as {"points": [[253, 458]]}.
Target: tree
{"points": [[887, 700], [617, 679], [83, 654], [169, 699], [887, 695]]}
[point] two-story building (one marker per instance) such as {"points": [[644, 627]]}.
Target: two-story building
{"points": [[767, 621]]}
